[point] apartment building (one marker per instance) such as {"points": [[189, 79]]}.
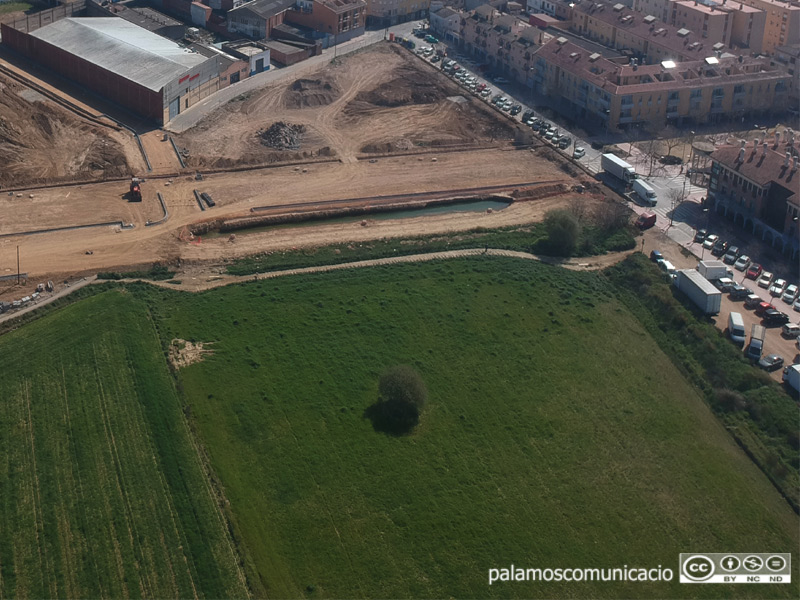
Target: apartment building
{"points": [[788, 58], [507, 43], [758, 184], [594, 89], [446, 23], [709, 21], [782, 26], [257, 19], [546, 7], [383, 13], [644, 37], [342, 20]]}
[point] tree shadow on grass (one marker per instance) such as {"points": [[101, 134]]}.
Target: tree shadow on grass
{"points": [[392, 419]]}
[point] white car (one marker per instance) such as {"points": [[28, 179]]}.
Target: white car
{"points": [[791, 330], [579, 152], [796, 305], [742, 263], [710, 240], [777, 288], [765, 280], [789, 294]]}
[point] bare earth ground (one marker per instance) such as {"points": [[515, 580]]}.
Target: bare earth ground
{"points": [[375, 101], [41, 142], [382, 100]]}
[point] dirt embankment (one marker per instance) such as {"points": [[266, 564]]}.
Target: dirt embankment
{"points": [[42, 143]]}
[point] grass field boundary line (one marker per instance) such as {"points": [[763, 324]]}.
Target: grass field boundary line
{"points": [[172, 513], [216, 496]]}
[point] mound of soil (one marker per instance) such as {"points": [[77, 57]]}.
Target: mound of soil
{"points": [[410, 86], [305, 93], [282, 136]]}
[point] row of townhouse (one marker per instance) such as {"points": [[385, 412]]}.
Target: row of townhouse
{"points": [[687, 81]]}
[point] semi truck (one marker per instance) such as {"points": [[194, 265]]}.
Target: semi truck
{"points": [[714, 269], [756, 347], [647, 195], [614, 165], [699, 290]]}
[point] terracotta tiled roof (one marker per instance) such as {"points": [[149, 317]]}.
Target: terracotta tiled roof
{"points": [[761, 168]]}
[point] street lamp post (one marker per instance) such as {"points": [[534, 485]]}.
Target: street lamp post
{"points": [[703, 252]]}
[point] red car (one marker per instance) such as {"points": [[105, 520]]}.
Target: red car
{"points": [[481, 87], [754, 271], [763, 307]]}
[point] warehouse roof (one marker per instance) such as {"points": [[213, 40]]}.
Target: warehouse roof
{"points": [[121, 47]]}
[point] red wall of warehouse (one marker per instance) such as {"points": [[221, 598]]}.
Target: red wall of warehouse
{"points": [[106, 83]]}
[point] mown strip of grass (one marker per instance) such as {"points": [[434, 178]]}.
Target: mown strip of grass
{"points": [[756, 410]]}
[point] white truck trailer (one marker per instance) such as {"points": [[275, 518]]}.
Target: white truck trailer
{"points": [[699, 290], [617, 167]]}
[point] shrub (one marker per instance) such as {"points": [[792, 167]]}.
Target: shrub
{"points": [[563, 231]]}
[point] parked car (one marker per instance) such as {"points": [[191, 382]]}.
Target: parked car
{"points": [[500, 80], [656, 256], [739, 292], [431, 40], [709, 241], [796, 305], [720, 248], [527, 115], [670, 160], [790, 330], [774, 317], [752, 301], [777, 288], [485, 92], [516, 109], [481, 87], [724, 284], [435, 58], [564, 142], [771, 362], [579, 152], [754, 271], [765, 280], [742, 263], [731, 255], [763, 307], [789, 294], [700, 235]]}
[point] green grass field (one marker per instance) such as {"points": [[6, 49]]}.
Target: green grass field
{"points": [[557, 434], [9, 7], [103, 494]]}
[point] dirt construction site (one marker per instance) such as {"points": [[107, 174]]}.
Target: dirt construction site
{"points": [[378, 126]]}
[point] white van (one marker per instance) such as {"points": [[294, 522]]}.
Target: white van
{"points": [[645, 192], [736, 329], [667, 267]]}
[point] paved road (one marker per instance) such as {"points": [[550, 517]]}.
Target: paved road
{"points": [[197, 112]]}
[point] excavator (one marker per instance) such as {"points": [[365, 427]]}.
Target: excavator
{"points": [[135, 190]]}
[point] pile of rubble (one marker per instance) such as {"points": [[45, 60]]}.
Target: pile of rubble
{"points": [[282, 136]]}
